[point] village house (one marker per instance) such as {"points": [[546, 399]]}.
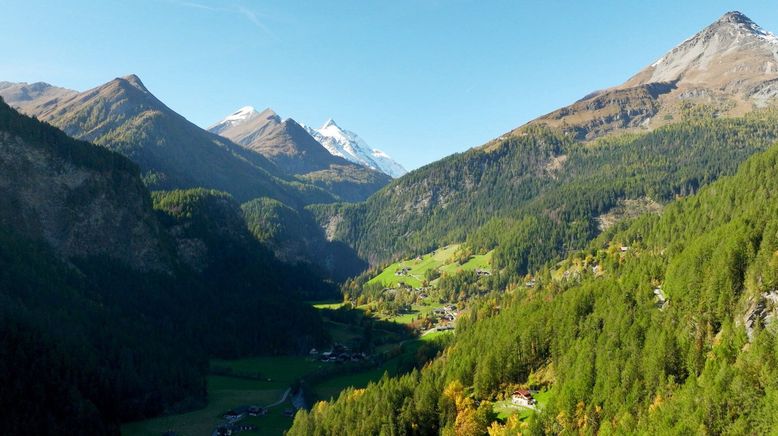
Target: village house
{"points": [[523, 397], [402, 271], [482, 272]]}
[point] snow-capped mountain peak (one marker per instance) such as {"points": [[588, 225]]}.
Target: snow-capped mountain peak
{"points": [[238, 117], [350, 146]]}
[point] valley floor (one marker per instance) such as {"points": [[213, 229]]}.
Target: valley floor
{"points": [[265, 381]]}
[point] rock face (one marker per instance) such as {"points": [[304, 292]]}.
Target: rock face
{"points": [[761, 312], [730, 67], [94, 205]]}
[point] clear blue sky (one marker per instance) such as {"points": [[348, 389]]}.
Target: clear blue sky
{"points": [[420, 79]]}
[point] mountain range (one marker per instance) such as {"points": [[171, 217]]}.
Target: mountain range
{"points": [[135, 247], [289, 146]]}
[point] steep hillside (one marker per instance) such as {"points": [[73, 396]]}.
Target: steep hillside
{"points": [[113, 308], [48, 186], [291, 148], [665, 327], [171, 152], [541, 189], [730, 66], [295, 237]]}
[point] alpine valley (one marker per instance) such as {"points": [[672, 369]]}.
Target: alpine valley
{"points": [[608, 268]]}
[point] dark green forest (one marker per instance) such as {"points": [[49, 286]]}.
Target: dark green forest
{"points": [[88, 342]]}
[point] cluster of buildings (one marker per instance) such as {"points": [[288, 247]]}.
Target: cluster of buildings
{"points": [[338, 354], [446, 316], [403, 271]]}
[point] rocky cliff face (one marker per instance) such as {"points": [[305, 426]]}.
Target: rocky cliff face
{"points": [[93, 205]]}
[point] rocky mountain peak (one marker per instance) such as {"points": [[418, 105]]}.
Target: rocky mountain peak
{"points": [[135, 82]]}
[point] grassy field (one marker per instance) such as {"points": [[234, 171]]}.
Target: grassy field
{"points": [[440, 260], [326, 304], [223, 394], [416, 310], [226, 392]]}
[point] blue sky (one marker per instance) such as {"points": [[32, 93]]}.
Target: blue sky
{"points": [[420, 79]]}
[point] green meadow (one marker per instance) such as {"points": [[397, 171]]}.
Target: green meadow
{"points": [[442, 260]]}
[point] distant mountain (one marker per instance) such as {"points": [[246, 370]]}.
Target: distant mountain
{"points": [[33, 97], [730, 67], [350, 146], [172, 152], [287, 144]]}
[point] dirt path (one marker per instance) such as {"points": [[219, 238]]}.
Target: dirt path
{"points": [[281, 401]]}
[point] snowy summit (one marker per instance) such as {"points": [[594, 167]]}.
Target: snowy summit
{"points": [[239, 116], [350, 146]]}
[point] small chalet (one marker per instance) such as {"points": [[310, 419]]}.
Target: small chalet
{"points": [[523, 397]]}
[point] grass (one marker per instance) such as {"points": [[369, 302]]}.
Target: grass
{"points": [[343, 333], [281, 370], [326, 304], [416, 310], [224, 393], [479, 261], [440, 260], [331, 388], [418, 268]]}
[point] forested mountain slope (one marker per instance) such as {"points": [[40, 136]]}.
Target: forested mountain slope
{"points": [[673, 334], [112, 307], [538, 193]]}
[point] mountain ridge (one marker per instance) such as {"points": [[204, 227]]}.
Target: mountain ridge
{"points": [[290, 146], [172, 152], [350, 146]]}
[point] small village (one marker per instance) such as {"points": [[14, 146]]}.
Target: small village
{"points": [[339, 353]]}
